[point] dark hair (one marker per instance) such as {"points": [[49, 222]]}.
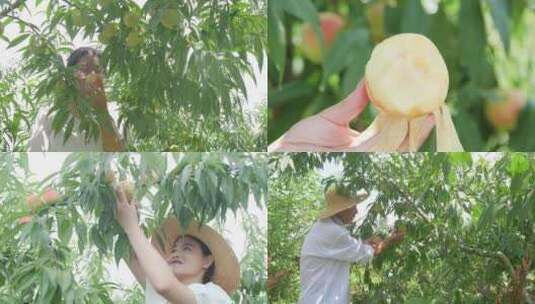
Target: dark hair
{"points": [[79, 53], [209, 273]]}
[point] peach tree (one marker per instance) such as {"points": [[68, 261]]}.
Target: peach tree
{"points": [[59, 253], [175, 69], [469, 220]]}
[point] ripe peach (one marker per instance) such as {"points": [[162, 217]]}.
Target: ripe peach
{"points": [[331, 24], [49, 196], [407, 76], [503, 114], [34, 201], [25, 219]]}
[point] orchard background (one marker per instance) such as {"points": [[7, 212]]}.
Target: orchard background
{"points": [[470, 222], [182, 75], [487, 45], [71, 251]]}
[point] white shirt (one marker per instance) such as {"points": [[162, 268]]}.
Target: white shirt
{"points": [[326, 258], [208, 293], [43, 137]]}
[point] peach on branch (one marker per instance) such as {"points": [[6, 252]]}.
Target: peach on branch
{"points": [[330, 24], [503, 113]]}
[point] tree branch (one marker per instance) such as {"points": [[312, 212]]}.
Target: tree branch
{"points": [[409, 199], [488, 254], [11, 7]]}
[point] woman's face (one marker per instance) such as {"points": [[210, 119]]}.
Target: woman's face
{"points": [[187, 260]]}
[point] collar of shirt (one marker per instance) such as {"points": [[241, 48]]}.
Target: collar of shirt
{"points": [[336, 220]]}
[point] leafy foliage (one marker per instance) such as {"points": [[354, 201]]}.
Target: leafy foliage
{"points": [[486, 46], [175, 69], [15, 117], [40, 263], [253, 266], [470, 221]]}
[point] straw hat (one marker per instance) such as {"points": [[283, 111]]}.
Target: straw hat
{"points": [[336, 202], [227, 267]]}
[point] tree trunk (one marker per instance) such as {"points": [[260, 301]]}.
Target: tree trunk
{"points": [[518, 281]]}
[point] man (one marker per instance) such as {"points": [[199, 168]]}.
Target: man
{"points": [[90, 85], [329, 250]]}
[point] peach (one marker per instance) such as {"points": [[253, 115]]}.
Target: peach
{"points": [[503, 114], [331, 24], [407, 76], [25, 219], [34, 201], [407, 79], [49, 196]]}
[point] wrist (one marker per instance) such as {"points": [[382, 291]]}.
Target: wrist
{"points": [[131, 230]]}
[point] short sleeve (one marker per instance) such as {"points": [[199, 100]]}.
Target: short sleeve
{"points": [[209, 294]]}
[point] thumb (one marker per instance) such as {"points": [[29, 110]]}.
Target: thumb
{"points": [[349, 108]]}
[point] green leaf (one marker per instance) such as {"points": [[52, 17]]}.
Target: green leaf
{"points": [[18, 40], [473, 44], [98, 240], [289, 92], [462, 159], [489, 214], [302, 9], [518, 164], [522, 138], [65, 229], [415, 19], [499, 10], [347, 45], [68, 130], [276, 39], [122, 248], [469, 132], [355, 71]]}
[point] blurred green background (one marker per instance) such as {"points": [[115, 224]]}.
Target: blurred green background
{"points": [[488, 46]]}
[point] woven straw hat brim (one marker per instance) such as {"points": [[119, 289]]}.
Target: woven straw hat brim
{"points": [[227, 267]]}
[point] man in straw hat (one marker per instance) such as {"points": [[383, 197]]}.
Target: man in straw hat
{"points": [[180, 266], [329, 249]]}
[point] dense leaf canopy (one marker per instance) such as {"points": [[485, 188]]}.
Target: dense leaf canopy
{"points": [[175, 69], [470, 221]]}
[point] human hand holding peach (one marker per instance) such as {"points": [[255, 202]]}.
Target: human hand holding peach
{"points": [[127, 215], [329, 130], [407, 81]]}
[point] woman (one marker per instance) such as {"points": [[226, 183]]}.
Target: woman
{"points": [[194, 266], [90, 77]]}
